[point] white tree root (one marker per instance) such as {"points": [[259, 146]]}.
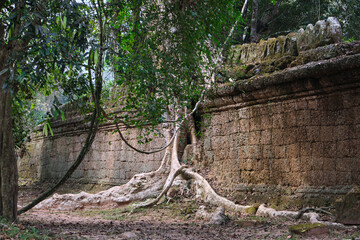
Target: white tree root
{"points": [[312, 217], [141, 186], [167, 185], [156, 184], [206, 193]]}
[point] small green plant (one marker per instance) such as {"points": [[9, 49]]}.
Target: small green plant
{"points": [[349, 40], [17, 231], [353, 237]]}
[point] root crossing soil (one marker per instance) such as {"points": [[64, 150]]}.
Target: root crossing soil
{"points": [[175, 220]]}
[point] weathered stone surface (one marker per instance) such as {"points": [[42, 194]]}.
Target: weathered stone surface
{"points": [[109, 160], [348, 208], [309, 229], [254, 53], [218, 217], [323, 33], [129, 235], [295, 128], [201, 213], [326, 52], [294, 131], [274, 54]]}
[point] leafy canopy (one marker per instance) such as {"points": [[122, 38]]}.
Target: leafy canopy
{"points": [[160, 53], [165, 53]]}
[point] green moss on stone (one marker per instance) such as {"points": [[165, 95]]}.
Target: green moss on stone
{"points": [[256, 205], [250, 210], [303, 228]]}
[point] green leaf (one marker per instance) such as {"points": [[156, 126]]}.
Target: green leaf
{"points": [[58, 20], [45, 130], [91, 56], [56, 113], [50, 129], [96, 57], [73, 33], [10, 32], [19, 101], [62, 115], [63, 22]]}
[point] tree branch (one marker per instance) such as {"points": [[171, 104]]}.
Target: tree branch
{"points": [[319, 210], [172, 138], [235, 24], [89, 140], [96, 93]]}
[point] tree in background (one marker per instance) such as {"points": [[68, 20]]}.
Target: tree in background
{"points": [[266, 19], [44, 45], [47, 45], [164, 55], [8, 167]]}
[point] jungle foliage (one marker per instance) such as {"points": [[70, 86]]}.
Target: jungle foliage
{"points": [[280, 17], [159, 54], [152, 49]]}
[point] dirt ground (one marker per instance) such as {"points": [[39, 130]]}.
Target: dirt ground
{"points": [[173, 220]]}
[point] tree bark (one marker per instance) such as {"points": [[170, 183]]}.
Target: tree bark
{"points": [[96, 93], [8, 163], [254, 35], [260, 19]]}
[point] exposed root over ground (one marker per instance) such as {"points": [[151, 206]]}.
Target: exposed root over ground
{"points": [[144, 186], [175, 220], [154, 185], [141, 186]]}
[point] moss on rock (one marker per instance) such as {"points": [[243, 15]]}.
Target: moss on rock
{"points": [[305, 227], [250, 210]]}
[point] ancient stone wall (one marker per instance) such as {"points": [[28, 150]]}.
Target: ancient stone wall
{"points": [[297, 128], [324, 32], [289, 120], [109, 160], [275, 54]]}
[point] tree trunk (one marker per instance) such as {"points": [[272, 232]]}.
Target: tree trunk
{"points": [[8, 164], [254, 35], [260, 19]]}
